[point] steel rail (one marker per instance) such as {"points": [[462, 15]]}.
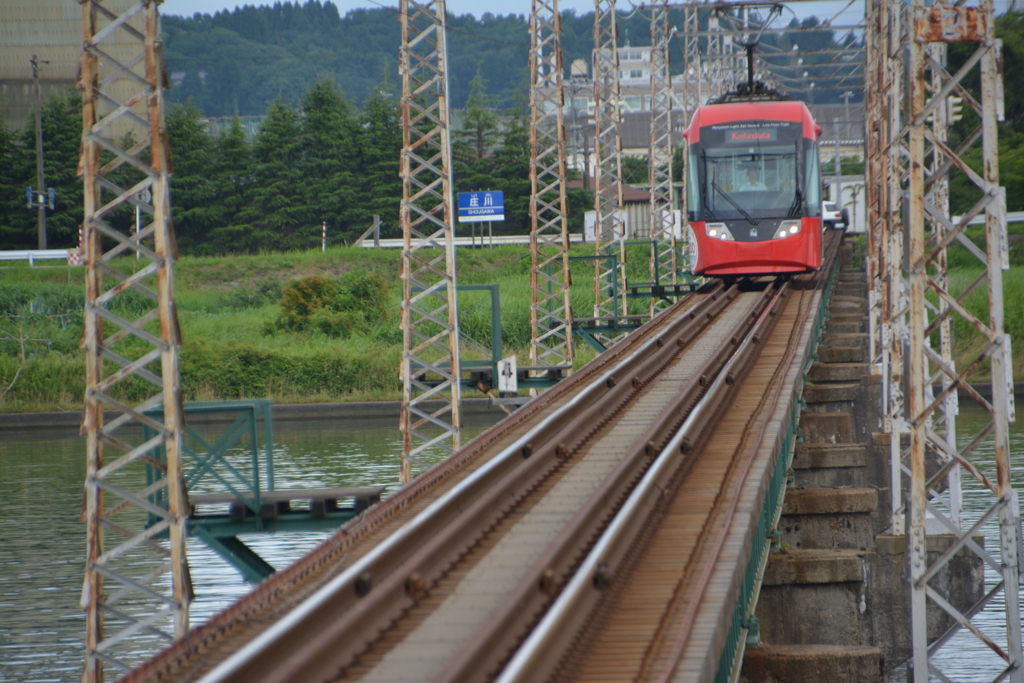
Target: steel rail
{"points": [[495, 640], [207, 645], [541, 651], [394, 572], [574, 648]]}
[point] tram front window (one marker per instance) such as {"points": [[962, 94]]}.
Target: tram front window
{"points": [[749, 170], [758, 180]]}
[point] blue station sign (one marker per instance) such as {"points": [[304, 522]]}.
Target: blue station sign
{"points": [[481, 207]]}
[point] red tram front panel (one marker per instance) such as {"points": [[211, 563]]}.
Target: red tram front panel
{"points": [[753, 189]]}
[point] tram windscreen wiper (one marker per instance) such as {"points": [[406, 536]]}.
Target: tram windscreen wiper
{"points": [[798, 201], [725, 195]]}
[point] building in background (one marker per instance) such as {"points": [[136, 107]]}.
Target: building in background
{"points": [[51, 30]]}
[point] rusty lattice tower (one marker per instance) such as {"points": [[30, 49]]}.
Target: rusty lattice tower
{"points": [[912, 301], [551, 341], [663, 266], [431, 394], [609, 221], [137, 588]]}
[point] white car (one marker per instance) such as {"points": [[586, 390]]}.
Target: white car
{"points": [[831, 216]]}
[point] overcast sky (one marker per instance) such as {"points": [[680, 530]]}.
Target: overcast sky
{"points": [[821, 8]]}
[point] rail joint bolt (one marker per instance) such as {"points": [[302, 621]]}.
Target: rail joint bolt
{"points": [[363, 584], [547, 582], [415, 585]]}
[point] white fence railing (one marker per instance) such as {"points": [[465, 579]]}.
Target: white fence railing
{"points": [[398, 243], [33, 255]]}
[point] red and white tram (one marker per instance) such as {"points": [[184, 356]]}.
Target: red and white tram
{"points": [[753, 189]]}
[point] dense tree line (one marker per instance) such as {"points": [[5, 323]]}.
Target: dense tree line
{"points": [[326, 161], [963, 193], [236, 62]]}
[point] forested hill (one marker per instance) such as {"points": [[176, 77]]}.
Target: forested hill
{"points": [[249, 56]]}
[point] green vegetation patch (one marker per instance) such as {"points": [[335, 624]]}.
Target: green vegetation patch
{"points": [[314, 326]]}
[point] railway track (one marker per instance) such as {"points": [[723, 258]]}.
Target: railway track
{"points": [[447, 578], [205, 646]]}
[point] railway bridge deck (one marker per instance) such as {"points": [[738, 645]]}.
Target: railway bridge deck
{"points": [[615, 528]]}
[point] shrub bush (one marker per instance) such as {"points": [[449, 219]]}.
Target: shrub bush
{"points": [[337, 309], [302, 299], [264, 292], [366, 293]]}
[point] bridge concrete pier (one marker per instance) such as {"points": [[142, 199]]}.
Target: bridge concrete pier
{"points": [[835, 603]]}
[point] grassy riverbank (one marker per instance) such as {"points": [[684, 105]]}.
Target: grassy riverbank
{"points": [[233, 349]]}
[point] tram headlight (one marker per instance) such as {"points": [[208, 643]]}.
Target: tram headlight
{"points": [[787, 229], [718, 231]]}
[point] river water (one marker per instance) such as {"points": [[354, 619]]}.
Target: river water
{"points": [[42, 541]]}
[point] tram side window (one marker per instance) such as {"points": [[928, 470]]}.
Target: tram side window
{"points": [[813, 183], [693, 199]]}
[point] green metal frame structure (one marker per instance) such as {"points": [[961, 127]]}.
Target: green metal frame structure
{"points": [[208, 461], [593, 330], [476, 368]]}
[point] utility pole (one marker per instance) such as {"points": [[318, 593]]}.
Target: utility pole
{"points": [[41, 189], [838, 199], [845, 97]]}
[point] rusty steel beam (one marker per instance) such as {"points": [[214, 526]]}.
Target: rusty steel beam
{"points": [[874, 116], [662, 264], [922, 189], [431, 393], [609, 220], [551, 342], [895, 291], [136, 575], [692, 89]]}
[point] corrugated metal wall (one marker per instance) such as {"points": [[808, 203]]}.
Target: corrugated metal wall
{"points": [[52, 30]]}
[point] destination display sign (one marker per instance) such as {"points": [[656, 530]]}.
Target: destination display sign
{"points": [[748, 134], [481, 207]]}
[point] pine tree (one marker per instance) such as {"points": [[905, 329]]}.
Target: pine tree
{"points": [[480, 124], [330, 144], [193, 192], [512, 173], [15, 217], [232, 176], [277, 201], [380, 182]]}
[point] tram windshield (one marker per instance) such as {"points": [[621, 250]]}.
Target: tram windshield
{"points": [[752, 170]]}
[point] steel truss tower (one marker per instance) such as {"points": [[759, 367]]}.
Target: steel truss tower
{"points": [[551, 341], [136, 576], [430, 322], [609, 220], [912, 301], [663, 239], [692, 85], [719, 61]]}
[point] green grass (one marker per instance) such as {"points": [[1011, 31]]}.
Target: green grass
{"points": [[225, 306]]}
